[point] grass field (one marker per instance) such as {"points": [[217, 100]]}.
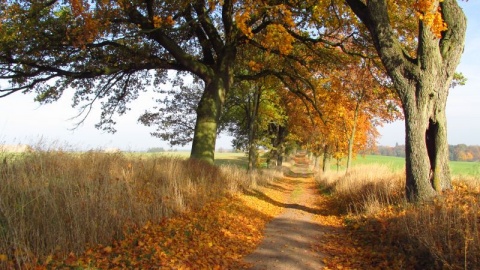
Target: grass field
{"points": [[457, 168], [239, 159], [394, 163]]}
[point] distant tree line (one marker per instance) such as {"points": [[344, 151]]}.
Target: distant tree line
{"points": [[459, 152]]}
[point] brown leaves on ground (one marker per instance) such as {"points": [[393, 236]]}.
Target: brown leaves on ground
{"points": [[224, 231], [442, 234], [358, 241], [217, 236]]}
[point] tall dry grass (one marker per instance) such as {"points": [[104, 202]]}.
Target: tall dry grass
{"points": [[448, 228], [54, 202], [364, 189], [442, 234]]}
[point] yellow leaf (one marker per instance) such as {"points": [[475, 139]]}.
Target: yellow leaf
{"points": [[117, 259], [108, 249], [3, 258], [47, 260]]}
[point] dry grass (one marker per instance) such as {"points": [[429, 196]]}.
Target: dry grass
{"points": [[365, 189], [53, 202], [443, 234], [449, 227]]}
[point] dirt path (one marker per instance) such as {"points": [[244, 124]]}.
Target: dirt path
{"points": [[289, 237]]}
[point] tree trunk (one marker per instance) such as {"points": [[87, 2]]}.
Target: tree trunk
{"points": [[252, 133], [326, 159], [280, 145], [422, 84], [351, 139], [208, 116], [427, 161], [437, 144], [217, 84], [278, 134], [416, 158], [252, 157], [281, 152]]}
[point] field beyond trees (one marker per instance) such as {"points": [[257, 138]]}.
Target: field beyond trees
{"points": [[458, 168], [100, 210], [459, 152]]}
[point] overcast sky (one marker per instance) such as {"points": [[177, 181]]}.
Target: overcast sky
{"points": [[24, 121]]}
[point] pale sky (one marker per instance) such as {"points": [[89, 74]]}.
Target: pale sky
{"points": [[26, 122]]}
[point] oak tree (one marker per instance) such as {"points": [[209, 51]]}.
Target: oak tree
{"points": [[114, 50], [368, 102], [174, 116], [421, 75]]}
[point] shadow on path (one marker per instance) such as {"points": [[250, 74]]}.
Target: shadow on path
{"points": [[262, 196], [287, 245], [288, 238]]}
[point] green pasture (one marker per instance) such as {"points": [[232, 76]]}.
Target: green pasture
{"points": [[398, 163], [395, 163], [465, 168]]}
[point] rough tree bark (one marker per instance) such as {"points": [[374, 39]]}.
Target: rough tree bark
{"points": [[208, 117], [422, 84], [278, 133], [252, 132]]}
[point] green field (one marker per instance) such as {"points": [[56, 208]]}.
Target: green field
{"points": [[398, 163], [395, 163]]}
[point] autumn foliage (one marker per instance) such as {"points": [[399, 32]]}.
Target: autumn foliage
{"points": [[428, 12]]}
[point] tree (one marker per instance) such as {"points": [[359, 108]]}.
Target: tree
{"points": [[113, 50], [256, 118], [174, 119], [422, 78], [243, 118], [366, 102]]}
